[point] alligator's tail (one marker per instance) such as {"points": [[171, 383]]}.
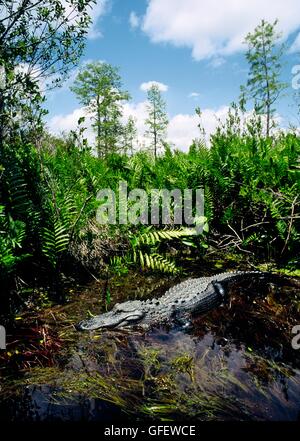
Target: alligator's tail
{"points": [[278, 278]]}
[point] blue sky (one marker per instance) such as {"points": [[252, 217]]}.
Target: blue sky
{"points": [[194, 47]]}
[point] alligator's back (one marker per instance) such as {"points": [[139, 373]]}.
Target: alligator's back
{"points": [[191, 287]]}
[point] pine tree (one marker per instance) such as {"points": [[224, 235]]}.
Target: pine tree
{"points": [[129, 136], [99, 87], [264, 86], [157, 120]]}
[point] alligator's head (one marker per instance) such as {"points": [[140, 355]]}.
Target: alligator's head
{"points": [[121, 316]]}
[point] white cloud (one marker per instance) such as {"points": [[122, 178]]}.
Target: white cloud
{"points": [[139, 113], [214, 28], [146, 86], [194, 95], [183, 128], [98, 10], [60, 124], [134, 20]]}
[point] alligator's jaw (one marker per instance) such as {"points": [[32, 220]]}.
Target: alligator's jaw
{"points": [[116, 318], [95, 323]]}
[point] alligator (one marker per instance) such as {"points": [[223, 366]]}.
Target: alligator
{"points": [[189, 298]]}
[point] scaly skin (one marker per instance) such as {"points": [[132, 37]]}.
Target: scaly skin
{"points": [[194, 296]]}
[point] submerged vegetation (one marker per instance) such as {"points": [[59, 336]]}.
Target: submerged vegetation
{"points": [[51, 244], [220, 371]]}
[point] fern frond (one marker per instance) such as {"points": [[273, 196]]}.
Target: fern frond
{"points": [[155, 237], [17, 191], [156, 262], [55, 241]]}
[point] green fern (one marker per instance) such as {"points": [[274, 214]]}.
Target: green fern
{"points": [[154, 262], [144, 248], [12, 234], [17, 191], [55, 241], [56, 236], [155, 237]]}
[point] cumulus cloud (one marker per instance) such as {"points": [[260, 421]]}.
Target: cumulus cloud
{"points": [[99, 9], [146, 86], [182, 129], [60, 124], [214, 28], [194, 95], [138, 111], [134, 20]]}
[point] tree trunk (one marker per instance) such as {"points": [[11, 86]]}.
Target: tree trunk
{"points": [[98, 129], [155, 133], [268, 122], [268, 105]]}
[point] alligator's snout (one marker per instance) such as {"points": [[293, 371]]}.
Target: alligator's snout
{"points": [[119, 317], [91, 324]]}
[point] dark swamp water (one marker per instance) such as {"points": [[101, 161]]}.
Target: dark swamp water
{"points": [[235, 363]]}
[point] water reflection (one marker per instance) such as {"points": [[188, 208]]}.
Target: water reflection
{"points": [[235, 363], [44, 403]]}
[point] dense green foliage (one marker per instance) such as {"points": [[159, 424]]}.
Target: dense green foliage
{"points": [[40, 41], [48, 203], [49, 186]]}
